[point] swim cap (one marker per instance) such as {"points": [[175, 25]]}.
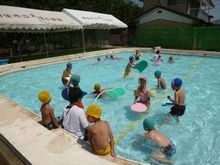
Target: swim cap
{"points": [[95, 111], [177, 82], [75, 79], [97, 87], [142, 79], [149, 124], [157, 73], [44, 96], [131, 58], [69, 65]]}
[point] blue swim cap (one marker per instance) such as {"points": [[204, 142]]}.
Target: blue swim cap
{"points": [[157, 73], [131, 58], [149, 124], [69, 65], [177, 82]]}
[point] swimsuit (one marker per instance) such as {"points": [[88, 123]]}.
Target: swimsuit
{"points": [[127, 70], [170, 149], [50, 126], [104, 151], [177, 110], [143, 98]]}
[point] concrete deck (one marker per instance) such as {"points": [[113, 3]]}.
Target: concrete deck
{"points": [[41, 146]]}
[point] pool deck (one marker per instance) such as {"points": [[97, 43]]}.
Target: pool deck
{"points": [[40, 146]]}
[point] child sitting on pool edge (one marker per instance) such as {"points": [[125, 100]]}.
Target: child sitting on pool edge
{"points": [[160, 81], [130, 65], [167, 147], [48, 119], [99, 132], [142, 92], [179, 100]]}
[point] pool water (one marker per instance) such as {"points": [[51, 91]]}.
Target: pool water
{"points": [[196, 136]]}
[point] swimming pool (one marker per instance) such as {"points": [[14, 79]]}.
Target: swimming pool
{"points": [[196, 136]]}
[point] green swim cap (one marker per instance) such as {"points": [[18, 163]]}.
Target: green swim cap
{"points": [[157, 73], [75, 79], [149, 124]]}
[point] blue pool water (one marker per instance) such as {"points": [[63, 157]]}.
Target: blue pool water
{"points": [[196, 136]]}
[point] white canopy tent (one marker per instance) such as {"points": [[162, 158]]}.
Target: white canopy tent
{"points": [[19, 19], [33, 20], [93, 20]]}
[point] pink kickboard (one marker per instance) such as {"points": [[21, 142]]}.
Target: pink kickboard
{"points": [[138, 107]]}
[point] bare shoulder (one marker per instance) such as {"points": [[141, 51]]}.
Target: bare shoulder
{"points": [[105, 122]]}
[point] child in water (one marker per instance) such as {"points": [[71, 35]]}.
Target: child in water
{"points": [[67, 74], [167, 148], [48, 119], [142, 92], [100, 132], [137, 54], [74, 83], [171, 60], [114, 58], [179, 100], [160, 81], [130, 65], [98, 89]]}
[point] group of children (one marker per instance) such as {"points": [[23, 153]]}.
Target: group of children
{"points": [[86, 126], [178, 108], [157, 59], [90, 126]]}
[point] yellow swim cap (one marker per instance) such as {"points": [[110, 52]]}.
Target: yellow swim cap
{"points": [[97, 87], [95, 111], [44, 96]]}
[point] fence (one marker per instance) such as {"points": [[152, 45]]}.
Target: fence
{"points": [[197, 38]]}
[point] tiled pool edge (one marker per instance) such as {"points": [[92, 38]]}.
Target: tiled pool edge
{"points": [[57, 132], [37, 63]]}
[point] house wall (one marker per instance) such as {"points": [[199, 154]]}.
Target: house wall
{"points": [[165, 23], [182, 8], [149, 4], [162, 14]]}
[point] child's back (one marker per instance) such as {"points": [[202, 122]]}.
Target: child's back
{"points": [[47, 113], [167, 147], [100, 134]]}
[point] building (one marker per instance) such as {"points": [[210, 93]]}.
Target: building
{"points": [[170, 23], [175, 13], [195, 8]]}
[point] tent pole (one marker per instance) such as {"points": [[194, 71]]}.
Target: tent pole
{"points": [[83, 40], [108, 36], [45, 40]]}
